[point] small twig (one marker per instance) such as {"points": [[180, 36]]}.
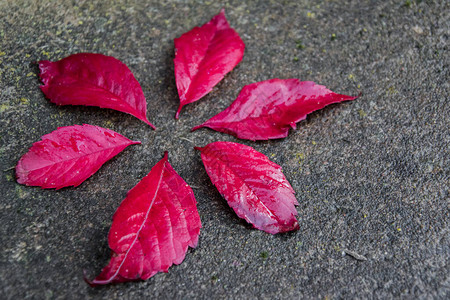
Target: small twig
{"points": [[194, 187], [183, 138], [9, 169], [355, 255]]}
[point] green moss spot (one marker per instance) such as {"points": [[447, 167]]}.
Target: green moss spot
{"points": [[108, 123], [333, 37], [362, 113], [295, 58], [391, 91], [4, 107], [2, 53], [20, 192], [264, 255], [299, 44], [300, 157]]}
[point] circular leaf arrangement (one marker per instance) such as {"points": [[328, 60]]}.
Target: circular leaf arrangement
{"points": [[158, 220]]}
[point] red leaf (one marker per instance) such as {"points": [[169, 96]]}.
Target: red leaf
{"points": [[253, 186], [69, 155], [203, 56], [94, 80], [152, 228], [267, 109]]}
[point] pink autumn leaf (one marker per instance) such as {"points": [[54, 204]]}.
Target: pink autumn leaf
{"points": [[94, 80], [267, 109], [152, 228], [203, 56], [253, 186], [69, 155]]}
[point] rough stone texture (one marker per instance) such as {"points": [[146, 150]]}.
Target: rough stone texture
{"points": [[371, 176]]}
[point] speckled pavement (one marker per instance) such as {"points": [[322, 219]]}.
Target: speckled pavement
{"points": [[371, 175]]}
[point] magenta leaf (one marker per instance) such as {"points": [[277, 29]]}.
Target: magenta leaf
{"points": [[94, 80], [253, 186], [152, 228], [267, 109], [203, 56], [69, 155]]}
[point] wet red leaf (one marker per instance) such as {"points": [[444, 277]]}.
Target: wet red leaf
{"points": [[253, 186], [69, 155], [152, 228], [94, 80], [203, 56], [267, 109]]}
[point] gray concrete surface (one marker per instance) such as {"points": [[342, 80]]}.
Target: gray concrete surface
{"points": [[371, 176]]}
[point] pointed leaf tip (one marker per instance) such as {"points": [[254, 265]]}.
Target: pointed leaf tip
{"points": [[87, 280], [196, 127], [177, 114], [150, 124]]}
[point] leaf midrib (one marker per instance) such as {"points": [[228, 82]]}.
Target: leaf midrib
{"points": [[81, 156], [104, 89], [202, 62], [249, 187], [140, 228]]}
